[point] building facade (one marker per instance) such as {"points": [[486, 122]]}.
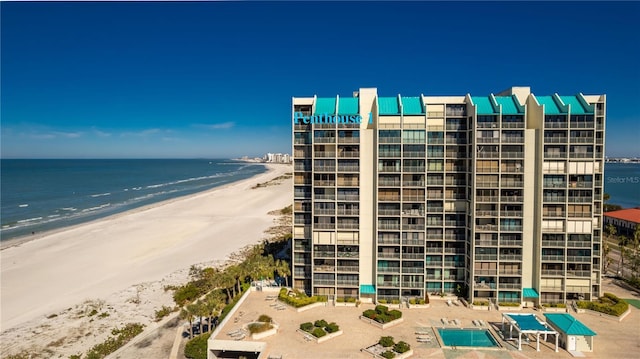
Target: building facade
{"points": [[493, 197], [625, 221]]}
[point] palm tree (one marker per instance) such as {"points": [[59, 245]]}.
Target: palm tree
{"points": [[214, 303], [187, 314], [283, 270], [622, 242], [226, 280], [201, 310]]}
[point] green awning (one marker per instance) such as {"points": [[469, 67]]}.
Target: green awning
{"points": [[367, 289], [529, 293], [569, 325], [509, 106], [550, 106]]}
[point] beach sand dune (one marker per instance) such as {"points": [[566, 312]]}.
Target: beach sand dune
{"points": [[97, 259]]}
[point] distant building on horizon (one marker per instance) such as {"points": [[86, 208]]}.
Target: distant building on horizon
{"points": [[277, 158], [494, 197]]}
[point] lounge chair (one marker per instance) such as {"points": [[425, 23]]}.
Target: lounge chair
{"points": [[456, 322], [444, 321]]}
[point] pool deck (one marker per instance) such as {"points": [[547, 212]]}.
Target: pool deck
{"points": [[614, 339]]}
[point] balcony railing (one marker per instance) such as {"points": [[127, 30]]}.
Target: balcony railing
{"points": [[347, 168], [348, 154], [324, 154], [512, 139], [552, 258], [511, 228], [348, 225], [386, 154], [412, 255], [348, 212], [511, 198], [324, 168], [413, 242], [579, 259], [511, 213], [509, 285], [553, 272], [580, 154], [413, 183], [511, 257], [555, 139], [578, 273], [553, 243], [555, 124]]}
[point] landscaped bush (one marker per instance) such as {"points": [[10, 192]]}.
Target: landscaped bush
{"points": [[320, 323], [412, 301], [481, 303], [395, 301], [382, 314], [332, 328], [388, 354], [196, 348], [509, 304], [382, 301], [318, 332], [401, 347], [386, 342], [299, 299], [554, 305], [607, 304], [340, 300], [307, 327], [259, 327], [264, 318], [395, 314], [351, 300]]}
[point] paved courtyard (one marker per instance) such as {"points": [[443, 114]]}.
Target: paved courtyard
{"points": [[614, 339]]}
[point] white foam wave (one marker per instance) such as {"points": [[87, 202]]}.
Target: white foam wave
{"points": [[23, 205], [96, 208], [101, 194], [29, 220], [70, 209]]}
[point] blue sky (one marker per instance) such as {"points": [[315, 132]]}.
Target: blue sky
{"points": [[159, 80]]}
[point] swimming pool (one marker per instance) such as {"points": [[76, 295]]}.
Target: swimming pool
{"points": [[452, 337]]}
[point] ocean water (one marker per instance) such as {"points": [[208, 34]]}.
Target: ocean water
{"points": [[41, 195], [622, 183]]}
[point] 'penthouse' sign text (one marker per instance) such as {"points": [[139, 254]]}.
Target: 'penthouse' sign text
{"points": [[300, 118]]}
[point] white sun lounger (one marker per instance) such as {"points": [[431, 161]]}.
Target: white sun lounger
{"points": [[444, 321]]}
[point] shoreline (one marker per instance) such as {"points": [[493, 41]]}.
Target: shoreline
{"points": [[17, 241], [95, 259]]}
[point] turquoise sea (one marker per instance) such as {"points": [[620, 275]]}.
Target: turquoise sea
{"points": [[41, 195]]}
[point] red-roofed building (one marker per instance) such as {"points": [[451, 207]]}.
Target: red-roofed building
{"points": [[625, 220]]}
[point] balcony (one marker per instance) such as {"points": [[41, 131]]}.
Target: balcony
{"points": [[511, 213], [436, 250], [556, 139], [555, 155], [324, 226], [392, 226], [486, 272], [320, 183], [389, 169], [509, 285], [419, 169], [488, 184], [389, 140], [487, 227], [578, 273], [488, 154], [487, 125], [413, 227], [348, 139], [486, 243], [348, 154], [512, 154], [580, 199], [388, 255], [511, 228], [511, 198], [348, 225], [388, 269], [579, 259], [413, 284], [486, 257], [483, 286], [513, 124], [348, 282], [553, 243], [388, 154], [413, 198], [348, 197], [487, 198], [324, 268], [348, 168], [324, 154], [581, 139], [580, 154], [512, 183], [486, 213], [512, 139], [582, 124], [510, 243], [413, 183], [419, 256], [552, 258], [553, 272], [324, 140], [555, 124], [324, 254], [348, 212], [414, 154], [324, 168], [388, 212], [389, 198], [510, 272], [511, 257]]}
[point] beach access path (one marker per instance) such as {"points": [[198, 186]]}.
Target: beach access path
{"points": [[95, 259]]}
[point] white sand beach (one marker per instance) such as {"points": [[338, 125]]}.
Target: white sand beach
{"points": [[101, 258]]}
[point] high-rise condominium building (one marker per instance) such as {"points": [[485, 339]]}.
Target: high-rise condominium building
{"points": [[493, 197]]}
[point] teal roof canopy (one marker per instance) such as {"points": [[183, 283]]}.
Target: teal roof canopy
{"points": [[528, 322], [348, 106], [325, 105], [529, 293], [577, 107], [485, 107], [510, 105], [550, 105], [367, 289], [388, 106], [412, 106], [569, 325]]}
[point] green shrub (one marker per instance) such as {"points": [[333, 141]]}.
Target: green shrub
{"points": [[412, 301], [259, 327], [163, 312], [382, 309], [554, 305], [395, 314], [186, 293], [509, 304], [401, 347], [265, 318], [196, 348], [607, 304], [340, 300], [421, 301], [320, 323], [395, 301], [386, 342], [481, 303], [370, 313], [318, 332], [120, 337], [299, 299], [388, 354], [351, 300], [307, 327], [382, 301], [332, 328]]}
